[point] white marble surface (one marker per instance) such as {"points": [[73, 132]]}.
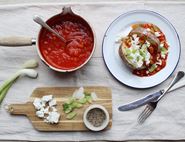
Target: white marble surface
{"points": [[167, 122]]}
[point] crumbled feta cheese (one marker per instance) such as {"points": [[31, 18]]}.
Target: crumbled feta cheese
{"points": [[159, 62], [52, 103], [147, 58], [163, 55], [43, 103], [47, 98], [38, 103], [119, 38], [49, 112], [46, 110], [137, 60], [147, 43], [45, 120], [157, 34], [161, 45], [53, 117], [40, 113], [148, 29], [137, 54], [135, 41], [157, 57], [94, 96], [53, 108], [79, 94], [135, 37], [145, 32]]}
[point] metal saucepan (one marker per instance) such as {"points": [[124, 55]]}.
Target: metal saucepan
{"points": [[66, 14]]}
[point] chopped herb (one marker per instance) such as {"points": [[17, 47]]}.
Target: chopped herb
{"points": [[70, 100], [75, 103], [71, 115], [89, 99], [128, 52], [134, 51], [87, 93], [130, 58], [142, 53], [164, 50], [152, 68], [83, 100], [67, 108]]}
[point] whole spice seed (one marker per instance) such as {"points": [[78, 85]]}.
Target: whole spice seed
{"points": [[96, 117]]}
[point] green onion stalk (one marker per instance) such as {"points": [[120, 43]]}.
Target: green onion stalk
{"points": [[25, 71], [4, 92]]}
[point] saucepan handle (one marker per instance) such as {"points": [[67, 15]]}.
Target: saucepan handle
{"points": [[17, 41], [67, 10]]}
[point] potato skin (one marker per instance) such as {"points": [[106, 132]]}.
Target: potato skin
{"points": [[123, 56], [149, 36]]}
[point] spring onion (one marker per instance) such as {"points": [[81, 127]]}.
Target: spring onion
{"points": [[78, 100], [31, 73], [71, 115], [3, 93], [83, 100], [152, 68], [30, 64], [89, 99]]}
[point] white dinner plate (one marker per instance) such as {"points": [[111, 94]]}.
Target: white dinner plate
{"points": [[121, 27]]}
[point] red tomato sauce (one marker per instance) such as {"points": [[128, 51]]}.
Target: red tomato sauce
{"points": [[156, 56], [71, 55]]}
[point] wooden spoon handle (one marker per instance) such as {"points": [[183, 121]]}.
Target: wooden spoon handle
{"points": [[18, 109], [16, 41]]}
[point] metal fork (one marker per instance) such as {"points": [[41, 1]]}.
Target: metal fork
{"points": [[150, 107]]}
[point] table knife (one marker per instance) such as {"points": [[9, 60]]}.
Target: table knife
{"points": [[149, 98]]}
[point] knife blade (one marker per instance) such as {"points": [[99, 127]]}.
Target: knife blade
{"points": [[140, 102]]}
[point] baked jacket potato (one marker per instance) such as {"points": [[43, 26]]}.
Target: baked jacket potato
{"points": [[143, 37]]}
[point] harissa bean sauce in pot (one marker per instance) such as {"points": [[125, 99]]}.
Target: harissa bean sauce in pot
{"points": [[70, 55]]}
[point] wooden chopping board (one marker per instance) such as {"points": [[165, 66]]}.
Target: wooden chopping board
{"points": [[61, 94]]}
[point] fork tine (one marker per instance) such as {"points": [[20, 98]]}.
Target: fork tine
{"points": [[151, 108], [143, 112], [147, 114]]}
